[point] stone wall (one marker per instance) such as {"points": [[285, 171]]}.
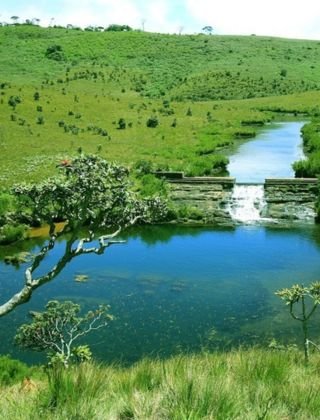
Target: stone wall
{"points": [[291, 198], [206, 196], [207, 199]]}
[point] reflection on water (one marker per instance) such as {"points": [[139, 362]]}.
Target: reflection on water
{"points": [[176, 289]]}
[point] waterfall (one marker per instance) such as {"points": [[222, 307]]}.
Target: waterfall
{"points": [[247, 203]]}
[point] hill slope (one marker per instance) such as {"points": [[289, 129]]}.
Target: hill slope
{"points": [[62, 89]]}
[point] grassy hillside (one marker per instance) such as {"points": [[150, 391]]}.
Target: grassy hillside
{"points": [[252, 384], [61, 90]]}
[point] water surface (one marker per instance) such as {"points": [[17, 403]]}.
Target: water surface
{"points": [[180, 289], [269, 155]]}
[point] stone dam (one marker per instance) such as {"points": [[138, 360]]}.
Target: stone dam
{"points": [[221, 201]]}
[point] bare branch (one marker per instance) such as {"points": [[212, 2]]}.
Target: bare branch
{"points": [[32, 284]]}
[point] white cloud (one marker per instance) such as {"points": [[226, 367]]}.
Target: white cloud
{"points": [[287, 18]]}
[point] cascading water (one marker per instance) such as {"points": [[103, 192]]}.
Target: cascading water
{"points": [[247, 203]]}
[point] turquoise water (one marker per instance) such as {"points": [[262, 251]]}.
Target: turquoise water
{"points": [[179, 289], [269, 155]]}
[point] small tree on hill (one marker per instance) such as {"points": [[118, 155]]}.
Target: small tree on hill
{"points": [[207, 29], [56, 330]]}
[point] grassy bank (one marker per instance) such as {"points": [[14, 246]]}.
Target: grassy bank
{"points": [[250, 384]]}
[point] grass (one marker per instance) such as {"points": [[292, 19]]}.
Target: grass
{"points": [[251, 384], [189, 83]]}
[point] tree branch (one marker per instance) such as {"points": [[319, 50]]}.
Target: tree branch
{"points": [[32, 284]]}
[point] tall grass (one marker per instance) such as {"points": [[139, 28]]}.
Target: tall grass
{"points": [[243, 384]]}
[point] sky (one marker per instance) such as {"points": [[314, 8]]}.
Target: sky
{"points": [[284, 18]]}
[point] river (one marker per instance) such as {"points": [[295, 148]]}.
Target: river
{"points": [[269, 155], [178, 289]]}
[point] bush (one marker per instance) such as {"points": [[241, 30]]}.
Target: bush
{"points": [[11, 233], [151, 186], [14, 101], [122, 124], [152, 122], [143, 167], [12, 371], [6, 203], [55, 52]]}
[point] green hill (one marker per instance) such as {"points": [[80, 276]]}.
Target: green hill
{"points": [[61, 89]]}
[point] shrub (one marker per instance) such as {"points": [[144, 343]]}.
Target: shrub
{"points": [[11, 233], [152, 122], [55, 52], [12, 371], [143, 167], [14, 101], [151, 186], [122, 124]]}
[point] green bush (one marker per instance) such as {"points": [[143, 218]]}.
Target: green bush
{"points": [[12, 371], [55, 52], [191, 213], [150, 186], [11, 233], [6, 203], [152, 122], [143, 167]]}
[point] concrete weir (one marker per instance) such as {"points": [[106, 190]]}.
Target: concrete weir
{"points": [[281, 199]]}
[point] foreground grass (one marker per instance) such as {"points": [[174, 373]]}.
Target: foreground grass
{"points": [[244, 384]]}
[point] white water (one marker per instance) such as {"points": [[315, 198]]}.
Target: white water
{"points": [[247, 203]]}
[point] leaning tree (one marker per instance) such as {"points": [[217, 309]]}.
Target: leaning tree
{"points": [[89, 195]]}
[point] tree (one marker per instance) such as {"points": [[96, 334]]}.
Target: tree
{"points": [[300, 294], [89, 195], [14, 19], [207, 29], [56, 330]]}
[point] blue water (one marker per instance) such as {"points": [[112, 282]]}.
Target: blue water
{"points": [[179, 289], [269, 155]]}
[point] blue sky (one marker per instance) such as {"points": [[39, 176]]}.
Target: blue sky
{"points": [[286, 18]]}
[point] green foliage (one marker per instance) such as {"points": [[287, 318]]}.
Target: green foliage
{"points": [[143, 167], [188, 213], [206, 166], [7, 203], [12, 371], [55, 52], [310, 167], [152, 122], [118, 28], [55, 331], [122, 124], [10, 233], [151, 186], [89, 192], [14, 101]]}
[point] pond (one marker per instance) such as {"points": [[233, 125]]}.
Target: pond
{"points": [[269, 155], [180, 289]]}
